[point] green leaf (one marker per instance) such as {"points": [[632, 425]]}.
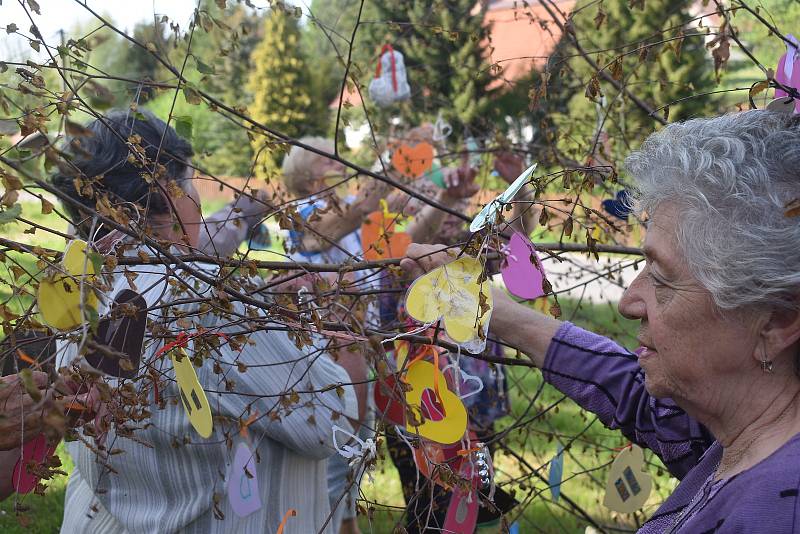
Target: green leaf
{"points": [[191, 94], [34, 5], [11, 28], [97, 261], [183, 125], [10, 214], [204, 68]]}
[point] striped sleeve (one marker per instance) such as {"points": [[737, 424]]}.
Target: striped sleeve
{"points": [[606, 379]]}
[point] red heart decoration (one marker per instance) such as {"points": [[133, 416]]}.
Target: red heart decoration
{"points": [[389, 400], [431, 407]]}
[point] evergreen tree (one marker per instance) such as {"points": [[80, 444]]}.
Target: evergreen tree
{"points": [[647, 50], [444, 44], [278, 82], [326, 46], [222, 57]]}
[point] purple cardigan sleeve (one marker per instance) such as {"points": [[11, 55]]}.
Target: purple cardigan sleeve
{"points": [[606, 379]]}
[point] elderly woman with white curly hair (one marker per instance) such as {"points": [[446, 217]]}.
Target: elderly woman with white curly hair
{"points": [[713, 390]]}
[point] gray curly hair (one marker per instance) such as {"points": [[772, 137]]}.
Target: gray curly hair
{"points": [[732, 177]]}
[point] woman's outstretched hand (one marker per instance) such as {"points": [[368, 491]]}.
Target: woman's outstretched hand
{"points": [[516, 324], [422, 258]]}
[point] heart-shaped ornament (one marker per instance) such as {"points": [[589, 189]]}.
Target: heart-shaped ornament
{"points": [[489, 212], [522, 271], [193, 397], [123, 331], [65, 298], [556, 473], [618, 207], [462, 514], [389, 399], [243, 491], [788, 74], [628, 485], [35, 452], [446, 419], [413, 161], [379, 239], [469, 385], [454, 293]]}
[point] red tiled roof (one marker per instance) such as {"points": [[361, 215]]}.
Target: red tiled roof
{"points": [[522, 38]]}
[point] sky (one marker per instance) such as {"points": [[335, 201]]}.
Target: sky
{"points": [[67, 14]]}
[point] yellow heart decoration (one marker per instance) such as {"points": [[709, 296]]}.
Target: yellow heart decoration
{"points": [[450, 429], [59, 295], [193, 397], [628, 485], [453, 292]]}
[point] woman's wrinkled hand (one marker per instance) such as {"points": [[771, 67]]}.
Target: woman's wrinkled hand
{"points": [[30, 405], [460, 182], [508, 165], [423, 258]]}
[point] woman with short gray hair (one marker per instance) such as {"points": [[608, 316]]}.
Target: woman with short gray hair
{"points": [[713, 389]]}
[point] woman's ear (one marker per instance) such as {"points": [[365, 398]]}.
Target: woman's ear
{"points": [[781, 332]]}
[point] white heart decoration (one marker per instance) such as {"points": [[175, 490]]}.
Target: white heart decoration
{"points": [[489, 211]]}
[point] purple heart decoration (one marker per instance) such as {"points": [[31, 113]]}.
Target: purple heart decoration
{"points": [[243, 492], [620, 206], [522, 273]]}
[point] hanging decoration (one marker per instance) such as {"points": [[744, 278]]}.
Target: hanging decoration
{"points": [[787, 73], [65, 297], [390, 83], [628, 485], [243, 490], [522, 271], [489, 212], [379, 239], [192, 395], [413, 161], [619, 207], [556, 473], [123, 330], [455, 293]]}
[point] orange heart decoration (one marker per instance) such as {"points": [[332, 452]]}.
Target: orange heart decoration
{"points": [[379, 239], [413, 162]]}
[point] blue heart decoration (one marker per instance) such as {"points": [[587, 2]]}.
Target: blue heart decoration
{"points": [[556, 473], [619, 207]]}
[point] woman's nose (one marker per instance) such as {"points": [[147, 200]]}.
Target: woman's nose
{"points": [[632, 304]]}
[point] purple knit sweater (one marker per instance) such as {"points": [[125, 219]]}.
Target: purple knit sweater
{"points": [[605, 379]]}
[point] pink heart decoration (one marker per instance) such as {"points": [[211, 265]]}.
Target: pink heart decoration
{"points": [[462, 514], [522, 277], [788, 75], [36, 450]]}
